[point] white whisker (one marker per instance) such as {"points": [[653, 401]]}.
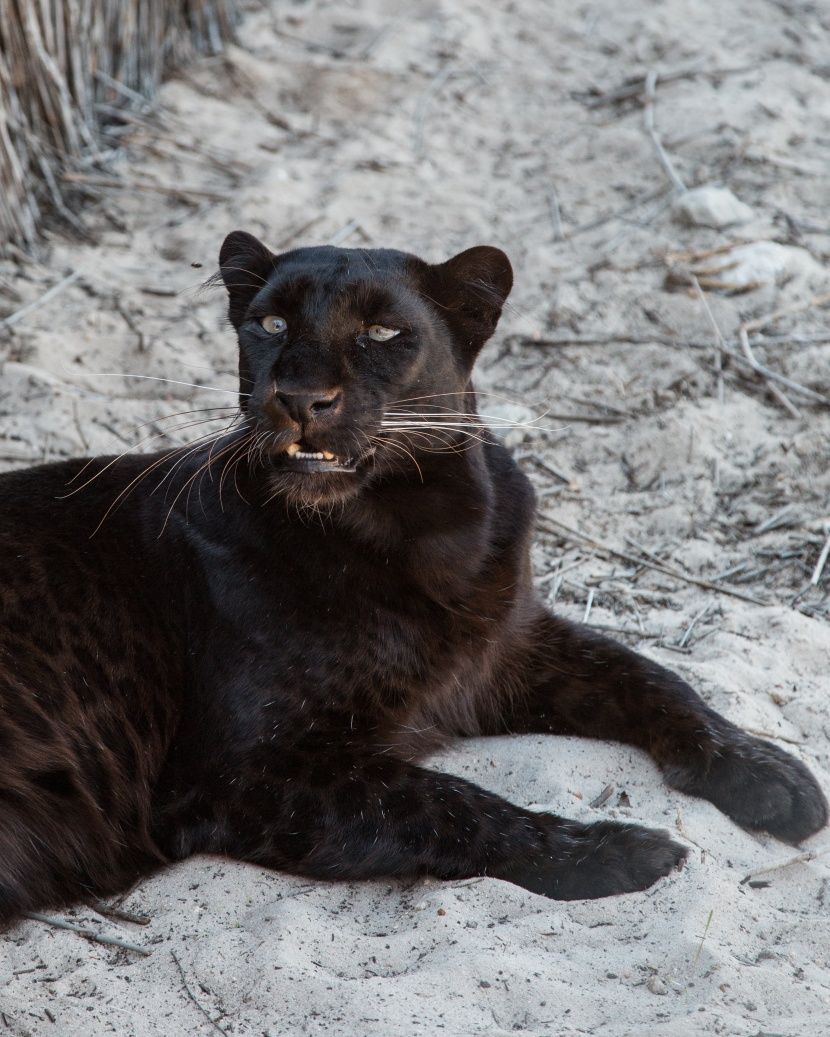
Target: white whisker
{"points": [[459, 426], [157, 378]]}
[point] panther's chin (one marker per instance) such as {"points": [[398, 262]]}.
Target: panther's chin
{"points": [[309, 477], [314, 482]]}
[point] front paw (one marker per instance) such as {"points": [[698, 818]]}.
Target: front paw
{"points": [[759, 786], [584, 862]]}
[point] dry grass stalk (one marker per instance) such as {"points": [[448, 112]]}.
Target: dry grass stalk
{"points": [[546, 522], [59, 59]]}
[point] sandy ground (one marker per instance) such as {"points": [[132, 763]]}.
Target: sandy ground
{"points": [[432, 126]]}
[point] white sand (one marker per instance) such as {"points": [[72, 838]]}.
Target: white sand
{"points": [[449, 129]]}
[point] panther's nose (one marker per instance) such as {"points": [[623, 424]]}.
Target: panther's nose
{"points": [[308, 406]]}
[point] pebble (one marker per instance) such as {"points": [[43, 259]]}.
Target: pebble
{"points": [[711, 207], [768, 262], [656, 985]]}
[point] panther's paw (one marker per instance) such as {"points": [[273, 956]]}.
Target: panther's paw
{"points": [[584, 862], [759, 786]]}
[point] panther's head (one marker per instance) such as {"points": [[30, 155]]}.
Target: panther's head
{"points": [[354, 364]]}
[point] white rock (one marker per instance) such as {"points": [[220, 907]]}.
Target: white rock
{"points": [[767, 262], [711, 207]]}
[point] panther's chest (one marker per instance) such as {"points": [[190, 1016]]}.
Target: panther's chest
{"points": [[357, 634]]}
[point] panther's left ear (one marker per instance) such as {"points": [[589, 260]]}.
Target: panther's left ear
{"points": [[244, 265], [470, 290]]}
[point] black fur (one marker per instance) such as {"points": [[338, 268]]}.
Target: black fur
{"points": [[239, 651]]}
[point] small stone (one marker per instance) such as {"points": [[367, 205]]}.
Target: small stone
{"points": [[711, 207], [768, 262], [441, 911], [656, 985]]}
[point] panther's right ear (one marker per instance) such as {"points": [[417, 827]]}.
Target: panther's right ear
{"points": [[244, 265]]}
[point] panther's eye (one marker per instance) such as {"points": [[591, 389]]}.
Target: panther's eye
{"points": [[274, 325], [378, 333]]}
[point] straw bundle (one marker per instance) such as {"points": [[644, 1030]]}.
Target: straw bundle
{"points": [[60, 60]]}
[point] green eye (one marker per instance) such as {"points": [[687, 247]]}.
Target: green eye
{"points": [[380, 334], [274, 325]]}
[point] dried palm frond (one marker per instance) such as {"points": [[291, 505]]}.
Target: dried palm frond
{"points": [[61, 58]]}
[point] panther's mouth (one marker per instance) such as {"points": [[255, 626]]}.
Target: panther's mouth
{"points": [[299, 457]]}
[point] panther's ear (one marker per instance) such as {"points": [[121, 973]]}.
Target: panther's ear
{"points": [[244, 265], [470, 290]]}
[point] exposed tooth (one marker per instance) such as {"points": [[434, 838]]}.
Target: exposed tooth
{"points": [[313, 455]]}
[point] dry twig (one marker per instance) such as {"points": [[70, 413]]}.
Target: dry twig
{"points": [[648, 119], [695, 620], [626, 210], [668, 340], [193, 997], [799, 858], [603, 797], [820, 564], [786, 311], [666, 570], [88, 934], [713, 324], [722, 349], [18, 315], [344, 232], [633, 87], [761, 322]]}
